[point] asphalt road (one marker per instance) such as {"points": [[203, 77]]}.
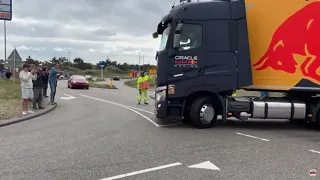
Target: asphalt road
{"points": [[103, 134]]}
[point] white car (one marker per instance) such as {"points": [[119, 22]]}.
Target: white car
{"points": [[88, 77], [60, 76]]}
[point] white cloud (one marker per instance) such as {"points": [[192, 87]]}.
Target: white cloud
{"points": [[92, 50], [92, 30], [24, 47], [58, 49]]}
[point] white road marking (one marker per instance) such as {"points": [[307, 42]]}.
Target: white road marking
{"points": [[314, 151], [142, 171], [121, 105], [205, 165], [68, 97], [177, 122], [252, 136], [134, 108]]}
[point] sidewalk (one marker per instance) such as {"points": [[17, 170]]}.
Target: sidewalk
{"points": [[37, 113]]}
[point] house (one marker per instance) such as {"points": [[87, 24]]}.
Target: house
{"points": [[14, 57]]}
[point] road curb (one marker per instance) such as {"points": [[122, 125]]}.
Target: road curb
{"points": [[29, 117]]}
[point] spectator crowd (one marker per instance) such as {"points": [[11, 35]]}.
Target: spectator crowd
{"points": [[34, 85]]}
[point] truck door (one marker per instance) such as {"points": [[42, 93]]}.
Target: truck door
{"points": [[186, 56]]}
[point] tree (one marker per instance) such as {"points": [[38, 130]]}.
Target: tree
{"points": [[78, 61], [81, 64], [63, 60], [29, 60], [54, 60]]}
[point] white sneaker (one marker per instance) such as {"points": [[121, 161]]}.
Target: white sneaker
{"points": [[24, 113], [31, 112]]}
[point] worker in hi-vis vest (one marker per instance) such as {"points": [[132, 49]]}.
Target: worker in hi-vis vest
{"points": [[234, 93], [143, 86]]}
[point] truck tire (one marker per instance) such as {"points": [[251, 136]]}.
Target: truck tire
{"points": [[203, 113]]}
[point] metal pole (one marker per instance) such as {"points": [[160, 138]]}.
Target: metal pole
{"points": [[132, 69], [69, 61], [5, 40], [143, 63], [14, 67], [101, 69], [139, 61]]}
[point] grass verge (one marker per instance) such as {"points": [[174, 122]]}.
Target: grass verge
{"points": [[133, 83], [10, 98], [104, 86]]}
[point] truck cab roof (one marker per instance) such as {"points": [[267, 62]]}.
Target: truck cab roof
{"points": [[197, 11]]}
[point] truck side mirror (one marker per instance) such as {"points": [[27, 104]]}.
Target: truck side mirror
{"points": [[155, 35]]}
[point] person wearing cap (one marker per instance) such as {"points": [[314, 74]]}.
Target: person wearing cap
{"points": [[143, 86]]}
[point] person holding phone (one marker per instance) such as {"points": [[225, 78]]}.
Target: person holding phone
{"points": [[26, 76], [45, 81], [53, 78], [38, 89]]}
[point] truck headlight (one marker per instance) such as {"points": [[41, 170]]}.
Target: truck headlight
{"points": [[161, 93]]}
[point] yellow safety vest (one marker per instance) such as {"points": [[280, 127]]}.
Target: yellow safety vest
{"points": [[234, 93], [143, 83]]}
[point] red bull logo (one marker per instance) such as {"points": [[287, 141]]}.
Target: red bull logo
{"points": [[299, 35]]}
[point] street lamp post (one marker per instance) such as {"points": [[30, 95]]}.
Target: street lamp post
{"points": [[68, 73], [139, 61], [5, 40], [69, 60], [143, 63], [14, 67]]}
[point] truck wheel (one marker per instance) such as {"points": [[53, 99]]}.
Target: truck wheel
{"points": [[202, 113]]}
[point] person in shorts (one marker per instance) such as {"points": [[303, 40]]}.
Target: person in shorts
{"points": [[26, 76]]}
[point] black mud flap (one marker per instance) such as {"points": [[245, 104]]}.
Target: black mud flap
{"points": [[315, 113], [223, 102]]}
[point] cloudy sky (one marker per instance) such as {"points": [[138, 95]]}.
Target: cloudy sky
{"points": [[90, 29]]}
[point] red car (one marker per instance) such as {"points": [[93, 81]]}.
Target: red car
{"points": [[77, 81]]}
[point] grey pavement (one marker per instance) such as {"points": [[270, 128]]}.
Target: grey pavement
{"points": [[104, 134]]}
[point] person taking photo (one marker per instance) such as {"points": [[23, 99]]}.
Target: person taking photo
{"points": [[26, 76], [53, 80], [38, 89], [45, 81]]}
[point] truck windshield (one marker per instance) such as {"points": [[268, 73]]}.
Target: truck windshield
{"points": [[164, 39]]}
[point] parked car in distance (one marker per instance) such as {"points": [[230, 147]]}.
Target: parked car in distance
{"points": [[78, 81], [88, 77], [116, 78], [60, 76]]}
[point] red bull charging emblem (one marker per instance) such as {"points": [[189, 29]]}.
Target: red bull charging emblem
{"points": [[298, 35]]}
